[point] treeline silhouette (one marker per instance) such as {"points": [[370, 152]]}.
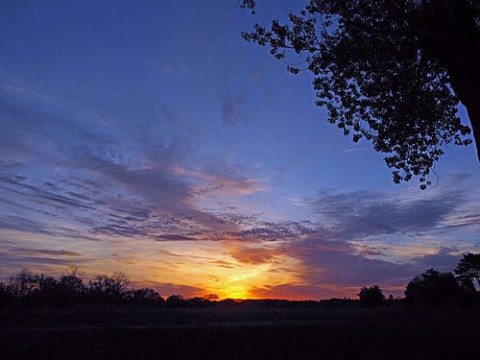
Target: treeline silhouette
{"points": [[431, 288], [25, 288]]}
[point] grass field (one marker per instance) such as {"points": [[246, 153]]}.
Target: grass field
{"points": [[240, 333]]}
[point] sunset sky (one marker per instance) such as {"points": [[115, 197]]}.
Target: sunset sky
{"points": [[147, 137]]}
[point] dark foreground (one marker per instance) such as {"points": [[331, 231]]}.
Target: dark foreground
{"points": [[241, 333]]}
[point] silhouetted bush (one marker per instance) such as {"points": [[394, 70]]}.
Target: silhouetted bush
{"points": [[175, 301], [371, 296], [197, 302], [145, 296]]}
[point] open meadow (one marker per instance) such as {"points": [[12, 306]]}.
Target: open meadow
{"points": [[388, 332]]}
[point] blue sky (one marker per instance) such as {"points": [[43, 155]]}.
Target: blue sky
{"points": [[148, 137]]}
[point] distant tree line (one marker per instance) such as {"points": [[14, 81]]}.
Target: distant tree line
{"points": [[431, 288], [26, 289]]}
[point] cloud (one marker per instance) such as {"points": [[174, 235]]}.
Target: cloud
{"points": [[31, 134], [466, 217], [360, 214], [39, 195], [46, 252], [302, 291], [14, 261], [158, 186], [174, 237], [222, 179], [7, 166], [445, 260], [254, 256], [233, 105], [104, 186], [335, 263], [11, 222], [3, 241], [222, 186]]}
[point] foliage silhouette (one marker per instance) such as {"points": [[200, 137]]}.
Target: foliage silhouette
{"points": [[147, 296], [174, 301], [71, 286], [22, 284], [468, 268], [390, 71], [371, 296], [25, 288], [435, 288], [109, 288]]}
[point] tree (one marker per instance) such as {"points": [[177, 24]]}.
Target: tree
{"points": [[4, 295], [22, 284], [432, 288], [211, 297], [468, 268], [390, 71], [112, 288], [71, 286], [371, 296], [146, 296], [47, 292], [175, 301]]}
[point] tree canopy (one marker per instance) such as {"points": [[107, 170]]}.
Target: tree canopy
{"points": [[371, 296], [389, 71], [432, 288], [468, 267]]}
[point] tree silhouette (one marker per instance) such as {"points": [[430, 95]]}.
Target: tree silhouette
{"points": [[48, 290], [109, 288], [22, 284], [468, 267], [4, 295], [146, 296], [432, 288], [70, 285], [371, 296], [175, 301], [390, 71]]}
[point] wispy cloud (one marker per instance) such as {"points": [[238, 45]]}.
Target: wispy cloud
{"points": [[359, 214], [47, 252], [233, 103], [446, 259], [255, 256], [335, 264]]}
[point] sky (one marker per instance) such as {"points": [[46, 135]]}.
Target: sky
{"points": [[149, 138]]}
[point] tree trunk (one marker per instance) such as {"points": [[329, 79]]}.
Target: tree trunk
{"points": [[459, 51], [472, 103]]}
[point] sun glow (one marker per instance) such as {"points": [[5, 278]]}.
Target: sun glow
{"points": [[248, 273], [196, 269], [236, 292]]}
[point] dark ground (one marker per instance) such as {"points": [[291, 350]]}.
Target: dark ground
{"points": [[241, 333]]}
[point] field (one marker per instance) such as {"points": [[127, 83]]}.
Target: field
{"points": [[240, 333]]}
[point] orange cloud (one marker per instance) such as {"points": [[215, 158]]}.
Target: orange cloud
{"points": [[254, 256]]}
